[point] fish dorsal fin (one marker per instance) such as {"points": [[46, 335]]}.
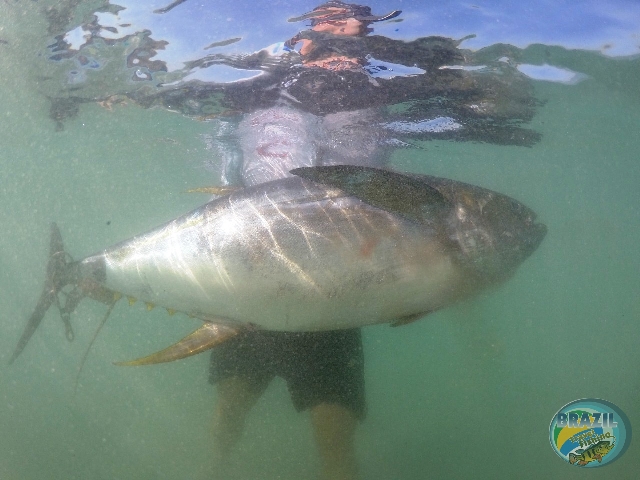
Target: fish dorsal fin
{"points": [[207, 336], [222, 190], [394, 192]]}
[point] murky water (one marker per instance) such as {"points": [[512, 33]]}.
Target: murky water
{"points": [[467, 392]]}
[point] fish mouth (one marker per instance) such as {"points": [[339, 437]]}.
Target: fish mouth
{"points": [[536, 234], [520, 224]]}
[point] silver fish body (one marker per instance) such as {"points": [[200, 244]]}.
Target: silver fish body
{"points": [[298, 255]]}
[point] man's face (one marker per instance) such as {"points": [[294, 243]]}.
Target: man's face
{"points": [[347, 26]]}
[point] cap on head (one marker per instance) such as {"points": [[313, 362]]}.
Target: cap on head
{"points": [[334, 10]]}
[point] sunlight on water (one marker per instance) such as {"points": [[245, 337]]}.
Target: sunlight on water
{"points": [[466, 393]]}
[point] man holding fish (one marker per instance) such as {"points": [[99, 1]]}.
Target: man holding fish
{"points": [[324, 371], [316, 244]]}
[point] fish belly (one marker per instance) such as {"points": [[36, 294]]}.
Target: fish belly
{"points": [[289, 265]]}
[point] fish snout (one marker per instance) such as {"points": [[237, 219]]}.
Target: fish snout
{"points": [[495, 234]]}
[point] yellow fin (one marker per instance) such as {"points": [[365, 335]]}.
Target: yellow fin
{"points": [[225, 190], [150, 306], [132, 300], [171, 311], [207, 336]]}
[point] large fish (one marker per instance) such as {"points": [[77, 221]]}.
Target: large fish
{"points": [[333, 247]]}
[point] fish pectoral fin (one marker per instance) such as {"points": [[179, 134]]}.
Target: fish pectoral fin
{"points": [[394, 192], [408, 319], [411, 318], [207, 336]]}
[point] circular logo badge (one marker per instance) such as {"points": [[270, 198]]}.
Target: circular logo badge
{"points": [[590, 433]]}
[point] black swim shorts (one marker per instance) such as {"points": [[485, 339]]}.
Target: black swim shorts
{"points": [[319, 367]]}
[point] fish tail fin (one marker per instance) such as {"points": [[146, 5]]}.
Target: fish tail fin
{"points": [[61, 271]]}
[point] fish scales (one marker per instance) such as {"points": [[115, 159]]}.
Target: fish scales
{"points": [[332, 247], [305, 257]]}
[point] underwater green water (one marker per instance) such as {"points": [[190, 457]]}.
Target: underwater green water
{"points": [[465, 393]]}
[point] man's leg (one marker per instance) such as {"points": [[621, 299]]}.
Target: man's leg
{"points": [[334, 426], [236, 397]]}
